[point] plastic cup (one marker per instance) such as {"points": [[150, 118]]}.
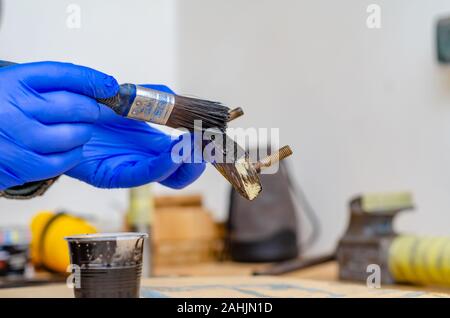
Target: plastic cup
{"points": [[106, 265]]}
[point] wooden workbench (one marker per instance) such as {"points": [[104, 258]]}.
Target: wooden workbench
{"points": [[234, 280]]}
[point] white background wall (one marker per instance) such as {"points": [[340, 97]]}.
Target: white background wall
{"points": [[364, 110]]}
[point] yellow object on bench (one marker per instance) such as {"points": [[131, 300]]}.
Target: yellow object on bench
{"points": [[49, 250]]}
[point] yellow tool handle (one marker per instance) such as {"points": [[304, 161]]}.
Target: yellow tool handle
{"points": [[420, 260]]}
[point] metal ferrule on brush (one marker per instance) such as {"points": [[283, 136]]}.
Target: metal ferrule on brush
{"points": [[151, 105], [142, 103]]}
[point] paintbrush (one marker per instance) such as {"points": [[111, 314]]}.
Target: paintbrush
{"points": [[234, 164], [141, 103], [146, 104]]}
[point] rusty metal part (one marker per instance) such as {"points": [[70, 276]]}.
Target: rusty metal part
{"points": [[367, 241], [268, 161], [235, 165], [249, 183], [235, 113], [233, 162]]}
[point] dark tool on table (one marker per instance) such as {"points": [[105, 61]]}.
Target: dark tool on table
{"points": [[369, 234], [371, 248], [14, 260], [366, 241], [294, 265], [371, 243], [268, 229]]}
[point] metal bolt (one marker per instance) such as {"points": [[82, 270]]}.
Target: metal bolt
{"points": [[268, 161], [235, 113]]}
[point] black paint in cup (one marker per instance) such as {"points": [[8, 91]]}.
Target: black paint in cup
{"points": [[106, 265]]}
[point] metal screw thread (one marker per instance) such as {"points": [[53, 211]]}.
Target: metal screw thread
{"points": [[266, 162], [235, 113]]}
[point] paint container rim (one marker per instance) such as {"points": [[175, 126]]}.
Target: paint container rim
{"points": [[114, 236]]}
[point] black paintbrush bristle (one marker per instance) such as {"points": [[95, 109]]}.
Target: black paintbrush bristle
{"points": [[187, 110]]}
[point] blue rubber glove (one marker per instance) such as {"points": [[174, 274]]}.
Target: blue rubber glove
{"points": [[126, 153], [47, 111]]}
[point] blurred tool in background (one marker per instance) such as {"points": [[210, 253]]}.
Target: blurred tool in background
{"points": [[49, 250], [14, 251], [39, 254], [371, 239], [139, 219], [370, 242]]}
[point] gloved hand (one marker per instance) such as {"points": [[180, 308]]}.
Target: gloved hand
{"points": [[127, 153], [47, 111]]}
